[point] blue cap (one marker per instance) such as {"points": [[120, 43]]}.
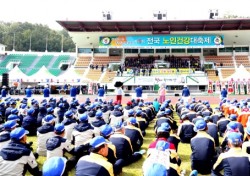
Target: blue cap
{"points": [[54, 166], [233, 116], [140, 104], [232, 125], [131, 112], [138, 112], [69, 113], [61, 105], [156, 169], [23, 106], [106, 130], [207, 118], [234, 138], [183, 116], [30, 111], [132, 120], [118, 125], [200, 125], [167, 112], [98, 114], [50, 110], [82, 105], [116, 106], [97, 141], [162, 145], [59, 128], [14, 111], [248, 129], [162, 129], [48, 118], [194, 173], [166, 126], [83, 117], [13, 117], [10, 124], [13, 103], [191, 106], [18, 133]]}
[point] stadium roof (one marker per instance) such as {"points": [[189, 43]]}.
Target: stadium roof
{"points": [[163, 26], [87, 33]]}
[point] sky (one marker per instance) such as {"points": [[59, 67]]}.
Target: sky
{"points": [[49, 11]]}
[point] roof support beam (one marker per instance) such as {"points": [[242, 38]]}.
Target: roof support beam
{"points": [[204, 27], [240, 26], [221, 27]]}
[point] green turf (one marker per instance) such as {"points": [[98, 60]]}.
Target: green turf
{"points": [[135, 169]]}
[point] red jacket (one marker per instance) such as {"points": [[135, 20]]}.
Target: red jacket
{"points": [[153, 144]]}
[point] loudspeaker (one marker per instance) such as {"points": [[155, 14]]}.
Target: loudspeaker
{"points": [[211, 15], [159, 16], [176, 95], [108, 16], [126, 95], [5, 79]]}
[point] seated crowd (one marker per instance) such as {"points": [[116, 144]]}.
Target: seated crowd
{"points": [[101, 137]]}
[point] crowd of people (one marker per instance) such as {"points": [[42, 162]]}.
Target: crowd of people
{"points": [[102, 136]]}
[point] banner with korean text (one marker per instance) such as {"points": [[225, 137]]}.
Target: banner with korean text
{"points": [[163, 41]]}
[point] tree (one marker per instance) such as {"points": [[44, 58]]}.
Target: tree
{"points": [[22, 36]]}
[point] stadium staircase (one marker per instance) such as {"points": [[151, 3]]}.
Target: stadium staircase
{"points": [[30, 70], [52, 61]]}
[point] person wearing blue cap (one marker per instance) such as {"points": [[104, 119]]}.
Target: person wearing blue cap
{"points": [[223, 93], [106, 132], [81, 135], [28, 91], [101, 93], [158, 162], [124, 149], [4, 91], [233, 117], [45, 132], [203, 149], [30, 122], [212, 130], [138, 92], [116, 115], [8, 109], [5, 135], [231, 127], [69, 123], [186, 130], [73, 91], [16, 158], [98, 122], [185, 94], [56, 166], [222, 124], [162, 134], [96, 163], [234, 161], [57, 145], [46, 91], [134, 134], [246, 144], [143, 124]]}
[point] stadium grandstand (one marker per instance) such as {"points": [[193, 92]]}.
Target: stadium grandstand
{"points": [[143, 52]]}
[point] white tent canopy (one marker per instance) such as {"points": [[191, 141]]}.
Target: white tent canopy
{"points": [[43, 75], [240, 73], [71, 76], [16, 75]]}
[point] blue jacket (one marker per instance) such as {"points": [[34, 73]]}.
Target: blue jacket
{"points": [[224, 93], [138, 91], [73, 92], [28, 92], [101, 92], [4, 93], [185, 92], [46, 92]]}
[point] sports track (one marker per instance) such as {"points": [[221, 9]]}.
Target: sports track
{"points": [[213, 98]]}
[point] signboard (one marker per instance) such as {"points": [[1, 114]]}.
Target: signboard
{"points": [[162, 41]]}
